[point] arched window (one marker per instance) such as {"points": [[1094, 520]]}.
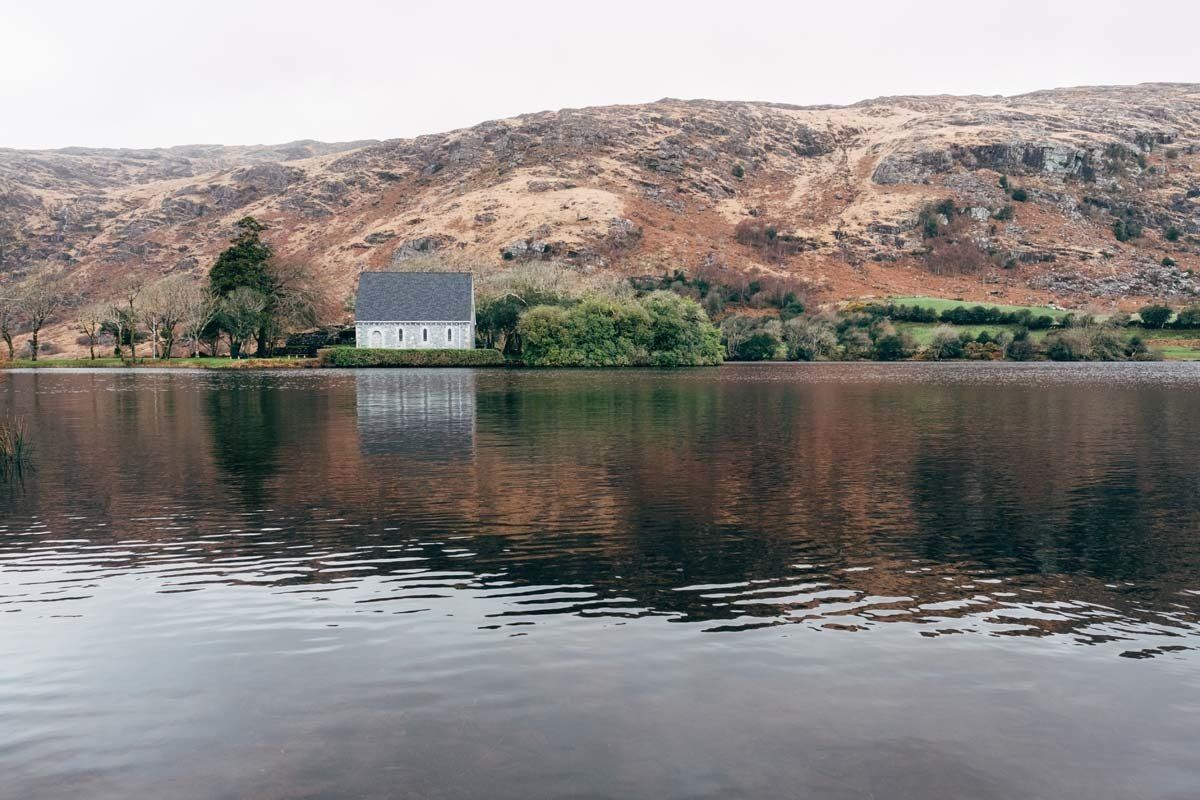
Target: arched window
{"points": [[449, 334], [424, 334], [376, 338]]}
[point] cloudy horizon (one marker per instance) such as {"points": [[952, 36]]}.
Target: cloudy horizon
{"points": [[132, 73]]}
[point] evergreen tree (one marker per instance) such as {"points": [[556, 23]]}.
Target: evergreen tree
{"points": [[244, 263]]}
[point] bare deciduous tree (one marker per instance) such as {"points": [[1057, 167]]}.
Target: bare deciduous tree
{"points": [[163, 308], [125, 312], [295, 301], [89, 321], [8, 320], [199, 309], [736, 329], [38, 300], [242, 316], [116, 321]]}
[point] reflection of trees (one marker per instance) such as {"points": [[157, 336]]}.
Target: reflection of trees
{"points": [[244, 420], [641, 485]]}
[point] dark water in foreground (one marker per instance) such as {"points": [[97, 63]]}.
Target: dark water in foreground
{"points": [[843, 581]]}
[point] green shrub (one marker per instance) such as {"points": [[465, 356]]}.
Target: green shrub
{"points": [[1168, 261], [810, 338], [893, 347], [1172, 234], [947, 208], [929, 220], [1004, 214], [983, 351], [1126, 229], [738, 171], [1022, 347], [1155, 316], [1107, 345], [946, 344], [662, 329], [681, 335], [1068, 345], [1020, 195], [758, 347], [1188, 318], [374, 357], [608, 333]]}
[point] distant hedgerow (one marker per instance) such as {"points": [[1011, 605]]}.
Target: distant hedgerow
{"points": [[378, 357]]}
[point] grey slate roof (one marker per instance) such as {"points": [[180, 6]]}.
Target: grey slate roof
{"points": [[414, 297]]}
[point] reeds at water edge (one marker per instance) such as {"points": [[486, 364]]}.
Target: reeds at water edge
{"points": [[15, 447]]}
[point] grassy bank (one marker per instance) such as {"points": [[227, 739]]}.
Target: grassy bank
{"points": [[174, 363], [942, 304]]}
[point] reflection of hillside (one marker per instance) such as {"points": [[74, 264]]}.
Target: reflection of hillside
{"points": [[422, 414], [732, 503]]}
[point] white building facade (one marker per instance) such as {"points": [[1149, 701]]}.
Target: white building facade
{"points": [[415, 311], [415, 335]]}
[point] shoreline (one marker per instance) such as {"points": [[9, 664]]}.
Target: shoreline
{"points": [[274, 365]]}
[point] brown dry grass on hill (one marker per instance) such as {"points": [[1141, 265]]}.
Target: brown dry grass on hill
{"points": [[667, 186]]}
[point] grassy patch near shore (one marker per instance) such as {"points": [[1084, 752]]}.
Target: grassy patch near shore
{"points": [[923, 331], [174, 363], [942, 304], [1175, 353]]}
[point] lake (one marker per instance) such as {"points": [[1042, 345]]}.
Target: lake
{"points": [[758, 581]]}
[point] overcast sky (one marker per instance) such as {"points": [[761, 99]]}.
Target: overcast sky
{"points": [[132, 73]]}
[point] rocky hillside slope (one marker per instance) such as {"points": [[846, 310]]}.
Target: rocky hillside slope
{"points": [[829, 197]]}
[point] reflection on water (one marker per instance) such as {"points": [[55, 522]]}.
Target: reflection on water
{"points": [[759, 581], [419, 414]]}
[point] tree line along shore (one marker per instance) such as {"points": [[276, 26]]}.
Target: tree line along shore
{"points": [[257, 310]]}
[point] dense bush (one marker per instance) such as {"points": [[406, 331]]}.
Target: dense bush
{"points": [[1155, 316], [810, 339], [1171, 234], [661, 329], [1126, 229], [1067, 345], [1020, 195], [768, 236], [1022, 347], [372, 357], [888, 344], [1188, 318], [681, 335], [946, 344], [955, 250], [934, 216], [760, 346], [1094, 344]]}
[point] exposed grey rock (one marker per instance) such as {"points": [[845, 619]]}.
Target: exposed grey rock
{"points": [[267, 178], [422, 245], [1147, 280], [549, 186], [623, 234]]}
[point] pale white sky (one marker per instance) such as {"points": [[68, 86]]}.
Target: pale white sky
{"points": [[143, 73]]}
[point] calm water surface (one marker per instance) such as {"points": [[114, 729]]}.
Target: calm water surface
{"points": [[824, 581]]}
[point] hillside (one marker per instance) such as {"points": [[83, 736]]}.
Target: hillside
{"points": [[830, 197]]}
